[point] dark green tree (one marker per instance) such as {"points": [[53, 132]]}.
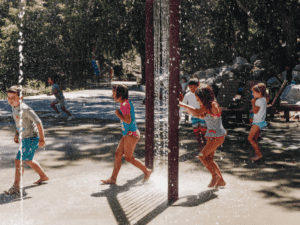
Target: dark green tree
{"points": [[9, 56]]}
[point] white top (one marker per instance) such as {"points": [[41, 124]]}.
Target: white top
{"points": [[260, 116], [189, 99], [29, 120]]}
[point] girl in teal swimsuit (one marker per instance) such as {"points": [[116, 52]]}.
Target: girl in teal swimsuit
{"points": [[131, 135]]}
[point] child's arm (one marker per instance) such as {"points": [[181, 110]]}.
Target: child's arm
{"points": [[216, 109], [184, 101], [126, 118], [53, 93], [255, 108], [42, 142], [124, 113], [194, 111], [16, 138], [33, 117]]}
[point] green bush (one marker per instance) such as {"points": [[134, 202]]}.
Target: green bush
{"points": [[3, 95]]}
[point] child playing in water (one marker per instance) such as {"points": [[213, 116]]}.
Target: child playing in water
{"points": [[211, 111], [198, 124], [259, 108], [131, 135], [32, 137], [60, 99]]}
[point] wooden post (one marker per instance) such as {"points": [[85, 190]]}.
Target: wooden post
{"points": [[173, 101], [149, 64]]}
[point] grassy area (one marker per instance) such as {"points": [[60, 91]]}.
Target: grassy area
{"points": [[73, 89]]}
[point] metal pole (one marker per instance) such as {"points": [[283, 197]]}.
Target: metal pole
{"points": [[149, 132], [173, 101]]}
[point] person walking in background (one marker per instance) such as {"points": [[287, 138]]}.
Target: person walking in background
{"points": [[111, 74], [59, 98]]}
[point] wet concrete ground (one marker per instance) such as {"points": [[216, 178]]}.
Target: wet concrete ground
{"points": [[81, 152]]}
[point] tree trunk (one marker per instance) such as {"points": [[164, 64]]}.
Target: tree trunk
{"points": [[149, 56]]}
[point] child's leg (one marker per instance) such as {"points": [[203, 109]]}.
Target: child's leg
{"points": [[258, 134], [118, 160], [199, 138], [15, 189], [207, 159], [37, 168], [252, 138], [217, 179], [65, 110], [212, 145], [54, 107], [203, 140], [18, 173], [129, 147]]}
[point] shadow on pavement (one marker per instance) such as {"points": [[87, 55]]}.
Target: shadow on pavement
{"points": [[195, 200], [97, 139], [5, 199], [134, 202], [280, 146]]}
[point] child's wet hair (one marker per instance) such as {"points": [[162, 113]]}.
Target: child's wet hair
{"points": [[121, 91], [15, 89], [206, 95], [260, 88], [193, 81]]}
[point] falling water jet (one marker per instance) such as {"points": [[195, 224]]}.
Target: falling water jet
{"points": [[155, 70], [161, 72], [20, 42]]}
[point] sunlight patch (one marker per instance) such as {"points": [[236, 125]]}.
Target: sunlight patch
{"points": [[160, 182]]}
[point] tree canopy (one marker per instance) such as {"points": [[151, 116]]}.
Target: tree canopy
{"points": [[61, 35], [214, 32]]}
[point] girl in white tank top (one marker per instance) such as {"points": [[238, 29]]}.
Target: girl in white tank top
{"points": [[259, 108]]}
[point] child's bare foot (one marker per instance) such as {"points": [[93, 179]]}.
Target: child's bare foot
{"points": [[109, 181], [41, 180], [147, 176], [221, 183], [256, 158], [214, 181]]}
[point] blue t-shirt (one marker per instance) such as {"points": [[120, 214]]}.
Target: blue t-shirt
{"points": [[59, 95]]}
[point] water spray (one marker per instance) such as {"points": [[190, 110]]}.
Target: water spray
{"points": [[21, 57], [161, 74]]}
